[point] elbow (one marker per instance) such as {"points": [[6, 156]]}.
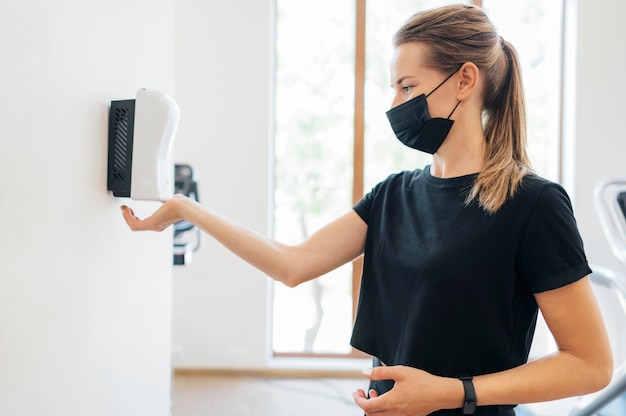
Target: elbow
{"points": [[599, 382], [287, 268], [289, 278], [295, 279], [600, 375], [606, 369], [604, 375], [292, 272]]}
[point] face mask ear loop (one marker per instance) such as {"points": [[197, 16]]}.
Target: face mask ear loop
{"points": [[443, 82], [454, 109]]}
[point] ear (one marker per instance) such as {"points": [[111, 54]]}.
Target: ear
{"points": [[467, 80]]}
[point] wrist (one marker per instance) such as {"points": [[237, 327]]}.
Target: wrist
{"points": [[452, 393], [469, 401], [182, 206]]}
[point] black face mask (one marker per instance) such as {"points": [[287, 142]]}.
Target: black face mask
{"points": [[414, 126]]}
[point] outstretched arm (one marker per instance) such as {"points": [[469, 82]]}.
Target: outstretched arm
{"points": [[582, 364], [332, 246]]}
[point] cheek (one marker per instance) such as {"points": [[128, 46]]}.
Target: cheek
{"points": [[438, 109]]}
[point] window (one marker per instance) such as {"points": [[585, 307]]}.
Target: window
{"points": [[324, 136], [313, 163]]}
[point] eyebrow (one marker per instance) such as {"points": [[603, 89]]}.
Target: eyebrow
{"points": [[400, 80]]}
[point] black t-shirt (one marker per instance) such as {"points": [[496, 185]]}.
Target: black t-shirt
{"points": [[448, 288]]}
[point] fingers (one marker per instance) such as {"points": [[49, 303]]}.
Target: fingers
{"points": [[162, 218], [137, 224], [403, 386], [376, 404], [361, 393], [369, 406], [383, 373], [126, 209], [360, 398], [130, 218]]}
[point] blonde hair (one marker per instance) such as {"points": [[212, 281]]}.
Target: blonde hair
{"points": [[461, 33]]}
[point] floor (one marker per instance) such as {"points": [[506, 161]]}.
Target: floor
{"points": [[201, 395]]}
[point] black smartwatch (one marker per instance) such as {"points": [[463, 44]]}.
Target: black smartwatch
{"points": [[469, 404]]}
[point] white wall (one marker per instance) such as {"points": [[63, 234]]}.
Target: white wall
{"points": [[223, 90], [599, 137], [85, 305]]}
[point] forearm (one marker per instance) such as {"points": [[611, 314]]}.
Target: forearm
{"points": [[327, 249], [550, 378], [269, 256]]}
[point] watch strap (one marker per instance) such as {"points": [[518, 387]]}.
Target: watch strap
{"points": [[469, 403]]}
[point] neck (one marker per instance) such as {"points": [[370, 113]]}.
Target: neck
{"points": [[458, 157], [463, 150], [444, 169]]}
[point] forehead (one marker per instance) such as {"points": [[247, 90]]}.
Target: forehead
{"points": [[409, 59]]}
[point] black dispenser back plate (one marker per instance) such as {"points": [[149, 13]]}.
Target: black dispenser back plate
{"points": [[121, 128]]}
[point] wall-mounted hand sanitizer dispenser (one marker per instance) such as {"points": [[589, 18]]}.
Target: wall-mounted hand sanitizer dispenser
{"points": [[141, 136]]}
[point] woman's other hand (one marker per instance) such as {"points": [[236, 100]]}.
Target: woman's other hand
{"points": [[415, 392]]}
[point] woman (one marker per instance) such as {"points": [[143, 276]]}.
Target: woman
{"points": [[458, 256]]}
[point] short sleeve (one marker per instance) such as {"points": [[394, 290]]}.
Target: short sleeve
{"points": [[552, 253], [364, 206]]}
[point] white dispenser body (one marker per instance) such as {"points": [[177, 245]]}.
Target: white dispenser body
{"points": [[156, 122]]}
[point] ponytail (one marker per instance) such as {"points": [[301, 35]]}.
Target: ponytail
{"points": [[506, 161]]}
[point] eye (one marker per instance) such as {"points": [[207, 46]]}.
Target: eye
{"points": [[407, 89]]}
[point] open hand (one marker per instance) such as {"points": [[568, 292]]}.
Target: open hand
{"points": [[166, 215]]}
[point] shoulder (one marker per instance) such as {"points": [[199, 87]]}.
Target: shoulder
{"points": [[551, 251], [545, 205], [386, 190], [533, 183], [400, 180], [539, 192], [537, 198]]}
